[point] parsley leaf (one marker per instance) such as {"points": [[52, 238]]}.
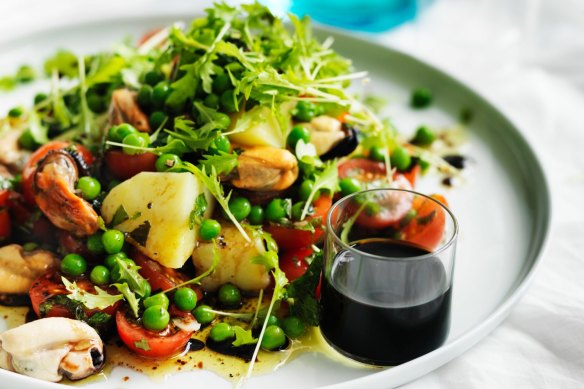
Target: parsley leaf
{"points": [[327, 179], [243, 337], [128, 273], [301, 293], [223, 162], [142, 344], [100, 300], [130, 297]]}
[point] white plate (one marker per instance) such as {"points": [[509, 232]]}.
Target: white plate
{"points": [[503, 205]]}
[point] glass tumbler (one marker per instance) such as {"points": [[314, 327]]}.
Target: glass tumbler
{"points": [[387, 276]]}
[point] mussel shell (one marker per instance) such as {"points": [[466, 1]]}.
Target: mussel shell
{"points": [[345, 147]]}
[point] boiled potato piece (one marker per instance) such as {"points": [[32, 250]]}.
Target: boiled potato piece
{"points": [[235, 264], [262, 127], [158, 208]]}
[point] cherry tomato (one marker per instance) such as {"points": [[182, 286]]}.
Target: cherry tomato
{"points": [[293, 262], [427, 227], [123, 166], [5, 224], [4, 197], [72, 244], [161, 277], [151, 344], [37, 156], [49, 285], [366, 170], [289, 238]]}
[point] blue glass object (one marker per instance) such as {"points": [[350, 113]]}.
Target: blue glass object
{"points": [[360, 15]]}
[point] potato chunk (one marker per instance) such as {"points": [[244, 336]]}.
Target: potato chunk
{"points": [[158, 208], [235, 265]]}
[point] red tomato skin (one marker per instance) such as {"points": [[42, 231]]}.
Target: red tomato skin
{"points": [[293, 262], [289, 238], [161, 277], [123, 166], [429, 234], [50, 284], [366, 170], [31, 165], [163, 344], [5, 224]]}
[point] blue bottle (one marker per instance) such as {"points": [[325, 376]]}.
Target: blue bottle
{"points": [[357, 15]]}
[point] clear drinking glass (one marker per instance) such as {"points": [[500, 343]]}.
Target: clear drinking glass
{"points": [[387, 277]]}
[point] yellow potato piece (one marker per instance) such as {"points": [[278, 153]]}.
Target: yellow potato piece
{"points": [[235, 264], [165, 202]]}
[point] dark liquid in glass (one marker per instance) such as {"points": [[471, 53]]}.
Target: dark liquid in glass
{"points": [[406, 318]]}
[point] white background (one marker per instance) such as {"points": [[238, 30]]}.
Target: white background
{"points": [[526, 56]]}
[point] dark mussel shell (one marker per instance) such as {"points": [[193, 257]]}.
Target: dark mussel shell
{"points": [[345, 147]]}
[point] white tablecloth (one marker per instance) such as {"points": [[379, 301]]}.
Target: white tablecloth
{"points": [[526, 56]]}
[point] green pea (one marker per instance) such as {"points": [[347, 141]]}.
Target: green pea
{"points": [[304, 111], [90, 187], [94, 243], [221, 143], [421, 98], [39, 98], [155, 318], [111, 260], [15, 112], [113, 241], [424, 136], [145, 96], [401, 159], [293, 326], [159, 94], [240, 207], [274, 337], [377, 153], [166, 162], [349, 185], [153, 77], [27, 141], [297, 133], [157, 299], [123, 130], [25, 74], [203, 314], [185, 299], [221, 82], [145, 288], [221, 332], [229, 295], [223, 120], [305, 189], [209, 229], [273, 321], [211, 101], [134, 140], [73, 265], [275, 210], [156, 119], [228, 101], [256, 215], [297, 209], [96, 102], [100, 275]]}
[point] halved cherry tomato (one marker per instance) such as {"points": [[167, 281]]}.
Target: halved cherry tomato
{"points": [[161, 277], [123, 166], [366, 170], [427, 227], [388, 209], [289, 238], [37, 156], [4, 197], [152, 344], [49, 285], [293, 262]]}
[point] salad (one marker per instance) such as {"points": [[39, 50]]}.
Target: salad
{"points": [[172, 194]]}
